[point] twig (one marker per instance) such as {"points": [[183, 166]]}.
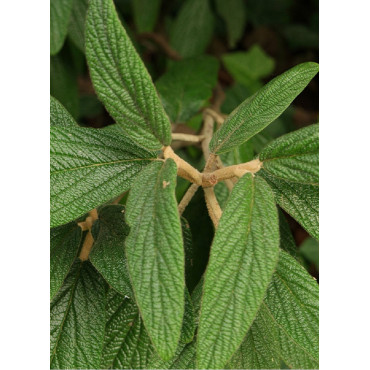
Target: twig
{"points": [[89, 240], [163, 43], [215, 115], [187, 198], [187, 137], [213, 207]]}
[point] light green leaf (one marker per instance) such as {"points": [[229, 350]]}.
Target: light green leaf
{"points": [[107, 254], [243, 257], [187, 85], [260, 347], [188, 324], [64, 245], [192, 30], [309, 249], [60, 11], [145, 14], [76, 29], [262, 108], [249, 66], [155, 254], [301, 201], [59, 116], [294, 156], [77, 320], [126, 343], [293, 303], [89, 167], [121, 80], [63, 84], [234, 14]]}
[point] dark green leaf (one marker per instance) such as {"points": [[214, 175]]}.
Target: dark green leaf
{"points": [[63, 83], [193, 28], [89, 167], [293, 303], [243, 257], [234, 14], [64, 245], [107, 254], [249, 66], [309, 249], [287, 242], [76, 28], [301, 201], [121, 80], [145, 14], [59, 116], [187, 85], [294, 156], [77, 320], [155, 254], [60, 11], [262, 108]]}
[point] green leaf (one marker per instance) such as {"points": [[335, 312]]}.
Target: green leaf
{"points": [[89, 167], [77, 320], [260, 347], [121, 80], [262, 108], [145, 14], [64, 245], [192, 30], [309, 249], [188, 324], [126, 343], [234, 14], [59, 116], [294, 156], [287, 242], [107, 254], [293, 303], [76, 29], [301, 201], [249, 66], [60, 12], [187, 85], [155, 254], [63, 83], [243, 257], [188, 250]]}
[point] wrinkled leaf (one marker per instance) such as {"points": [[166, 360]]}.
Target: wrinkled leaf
{"points": [[294, 156], [243, 257], [121, 80], [88, 167], [155, 254], [262, 108], [59, 116], [77, 317]]}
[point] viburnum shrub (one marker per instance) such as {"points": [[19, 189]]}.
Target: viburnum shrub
{"points": [[123, 289]]}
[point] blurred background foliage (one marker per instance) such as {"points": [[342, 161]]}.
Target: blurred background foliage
{"points": [[191, 48]]}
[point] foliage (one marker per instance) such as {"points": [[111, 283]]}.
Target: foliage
{"points": [[170, 243]]}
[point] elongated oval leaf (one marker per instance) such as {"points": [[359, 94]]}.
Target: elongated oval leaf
{"points": [[243, 256], [301, 201], [60, 11], [77, 320], [193, 28], [155, 254], [59, 116], [294, 156], [121, 80], [107, 254], [76, 29], [292, 301], [261, 109], [187, 85], [64, 245], [145, 14], [89, 167]]}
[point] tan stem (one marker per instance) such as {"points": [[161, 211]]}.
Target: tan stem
{"points": [[184, 169], [187, 198], [187, 137], [213, 207], [89, 240], [207, 132], [215, 115]]}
